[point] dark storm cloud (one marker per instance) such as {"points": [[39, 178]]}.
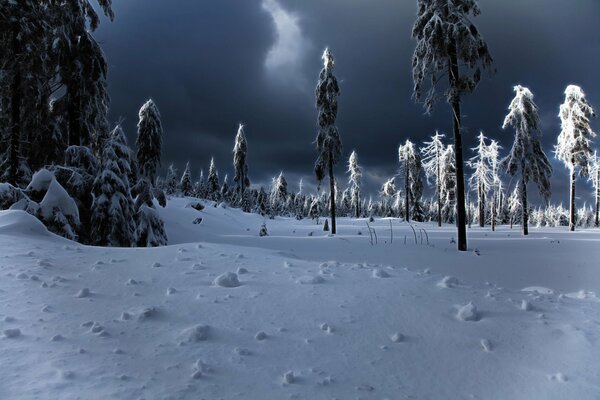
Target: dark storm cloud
{"points": [[205, 64]]}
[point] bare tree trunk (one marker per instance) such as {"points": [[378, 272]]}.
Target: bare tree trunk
{"points": [[572, 200], [439, 196], [524, 208], [481, 204], [332, 197], [494, 205], [406, 197], [596, 222], [454, 77]]}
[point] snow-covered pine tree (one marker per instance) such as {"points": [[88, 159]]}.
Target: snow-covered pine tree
{"points": [[225, 189], [185, 183], [432, 164], [112, 215], [388, 192], [448, 184], [410, 171], [314, 211], [448, 43], [212, 182], [25, 87], [574, 144], [171, 183], [594, 177], [149, 141], [354, 181], [493, 152], [481, 179], [150, 229], [279, 195], [514, 204], [82, 69], [240, 164], [526, 158], [329, 143]]}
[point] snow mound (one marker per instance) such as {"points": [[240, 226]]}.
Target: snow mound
{"points": [[227, 279], [397, 337], [194, 334], [288, 377], [448, 282], [40, 181], [57, 197], [17, 222], [468, 312], [486, 345], [310, 280], [12, 333], [538, 289], [526, 306], [380, 273], [260, 336]]}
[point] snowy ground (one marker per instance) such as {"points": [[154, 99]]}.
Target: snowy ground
{"points": [[377, 322]]}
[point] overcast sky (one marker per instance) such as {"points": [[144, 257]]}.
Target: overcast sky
{"points": [[210, 65]]}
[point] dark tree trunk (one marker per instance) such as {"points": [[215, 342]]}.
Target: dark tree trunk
{"points": [[596, 221], [357, 200], [15, 106], [494, 208], [439, 196], [524, 208], [406, 189], [572, 200], [458, 151], [332, 197], [481, 204], [73, 113]]}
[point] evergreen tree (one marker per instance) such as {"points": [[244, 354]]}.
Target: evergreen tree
{"points": [[448, 184], [514, 204], [329, 143], [149, 141], [481, 179], [493, 151], [574, 145], [112, 216], [594, 177], [354, 181], [185, 183], [432, 164], [526, 157], [150, 229], [279, 195], [212, 182], [410, 171], [83, 70], [171, 180], [240, 154], [449, 44]]}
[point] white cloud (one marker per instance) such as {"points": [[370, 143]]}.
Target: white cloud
{"points": [[286, 54]]}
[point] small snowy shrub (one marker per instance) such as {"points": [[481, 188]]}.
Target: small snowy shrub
{"points": [[263, 230]]}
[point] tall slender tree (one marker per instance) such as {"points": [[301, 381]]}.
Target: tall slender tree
{"points": [[432, 164], [240, 164], [410, 171], [149, 141], [574, 144], [354, 181], [526, 158], [594, 177], [481, 178], [212, 181], [449, 45], [329, 143]]}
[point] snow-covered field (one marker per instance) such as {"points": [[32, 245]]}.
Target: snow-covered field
{"points": [[306, 315]]}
